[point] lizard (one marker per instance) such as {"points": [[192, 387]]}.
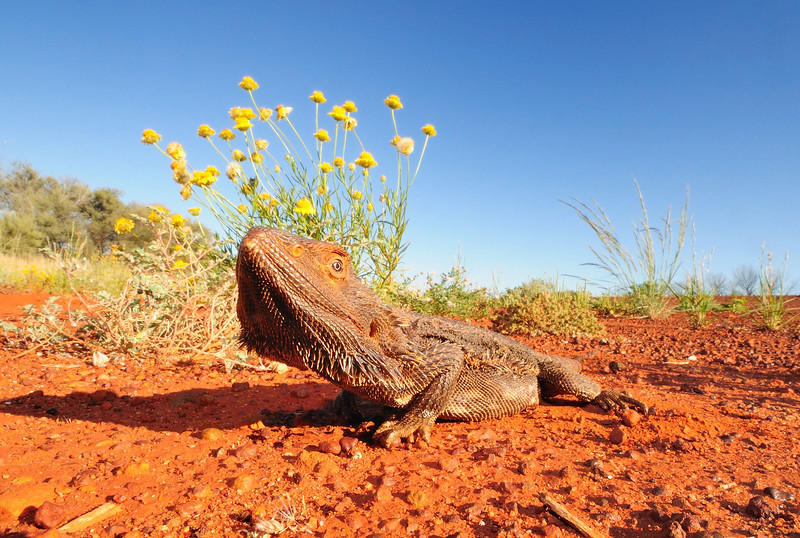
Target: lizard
{"points": [[300, 303]]}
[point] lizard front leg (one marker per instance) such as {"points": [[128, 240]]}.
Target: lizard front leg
{"points": [[442, 365]]}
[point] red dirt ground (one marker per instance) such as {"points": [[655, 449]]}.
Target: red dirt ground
{"points": [[718, 456]]}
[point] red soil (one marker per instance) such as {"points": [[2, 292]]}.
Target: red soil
{"points": [[718, 457]]}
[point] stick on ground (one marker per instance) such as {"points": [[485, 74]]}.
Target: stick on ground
{"points": [[561, 511]]}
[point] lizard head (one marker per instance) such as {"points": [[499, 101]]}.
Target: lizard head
{"points": [[300, 302]]}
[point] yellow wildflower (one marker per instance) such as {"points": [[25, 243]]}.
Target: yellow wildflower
{"points": [[176, 151], [322, 135], [357, 195], [123, 226], [338, 113], [369, 206], [325, 168], [349, 106], [227, 134], [202, 178], [194, 211], [429, 130], [256, 157], [248, 84], [149, 136], [238, 155], [179, 173], [273, 203], [317, 97], [264, 196], [179, 264], [404, 145], [243, 123], [349, 123], [393, 102], [327, 207], [177, 220], [177, 248], [365, 160], [264, 113], [154, 216], [351, 167], [241, 112], [383, 180], [283, 111], [247, 190], [205, 131], [211, 169], [321, 189], [242, 209], [338, 162], [304, 207], [262, 144], [277, 169], [186, 192]]}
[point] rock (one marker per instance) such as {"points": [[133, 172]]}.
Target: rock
{"points": [[188, 508], [329, 446], [49, 515], [246, 451], [674, 530], [617, 435], [448, 464], [15, 501], [244, 483], [210, 434], [240, 387], [348, 444], [630, 417], [417, 498], [356, 521], [759, 508], [383, 494], [779, 494]]}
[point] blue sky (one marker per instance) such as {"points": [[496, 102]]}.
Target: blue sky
{"points": [[534, 102]]}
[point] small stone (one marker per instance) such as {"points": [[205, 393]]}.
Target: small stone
{"points": [[135, 469], [210, 434], [348, 444], [246, 451], [448, 464], [390, 524], [383, 494], [188, 508], [759, 508], [617, 435], [244, 483], [417, 498], [630, 417], [49, 515], [329, 446], [675, 530], [240, 387], [527, 467], [356, 521], [779, 494], [615, 366], [300, 393]]}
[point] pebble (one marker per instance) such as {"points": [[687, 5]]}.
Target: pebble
{"points": [[759, 508], [210, 434], [356, 521], [448, 464], [246, 451], [240, 387], [630, 417], [383, 494], [244, 483], [49, 515], [188, 508], [617, 435], [675, 530], [417, 498], [329, 446], [348, 444], [779, 494]]}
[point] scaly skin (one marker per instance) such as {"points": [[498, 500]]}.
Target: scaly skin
{"points": [[300, 304]]}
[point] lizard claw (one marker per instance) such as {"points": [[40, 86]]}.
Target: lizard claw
{"points": [[393, 431], [612, 399]]}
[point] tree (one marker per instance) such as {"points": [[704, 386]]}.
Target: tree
{"points": [[744, 280]]}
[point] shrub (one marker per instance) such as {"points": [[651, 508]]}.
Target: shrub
{"points": [[537, 308]]}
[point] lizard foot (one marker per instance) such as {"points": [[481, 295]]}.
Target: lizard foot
{"points": [[408, 427], [612, 399]]}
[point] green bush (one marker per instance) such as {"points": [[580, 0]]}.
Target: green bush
{"points": [[537, 308]]}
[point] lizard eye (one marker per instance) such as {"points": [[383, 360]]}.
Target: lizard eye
{"points": [[337, 266]]}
